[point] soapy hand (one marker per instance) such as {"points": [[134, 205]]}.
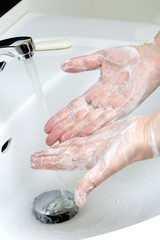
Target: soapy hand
{"points": [[103, 153], [128, 75]]}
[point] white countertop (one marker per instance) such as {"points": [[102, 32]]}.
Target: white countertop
{"points": [[27, 25]]}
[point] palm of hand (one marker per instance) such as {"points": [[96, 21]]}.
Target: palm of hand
{"points": [[103, 153], [127, 78]]}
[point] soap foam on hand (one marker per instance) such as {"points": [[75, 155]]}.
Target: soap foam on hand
{"points": [[53, 45]]}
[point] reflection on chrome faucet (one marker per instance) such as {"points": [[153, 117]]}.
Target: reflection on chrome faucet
{"points": [[18, 47]]}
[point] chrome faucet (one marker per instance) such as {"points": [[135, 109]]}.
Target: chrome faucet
{"points": [[17, 47]]}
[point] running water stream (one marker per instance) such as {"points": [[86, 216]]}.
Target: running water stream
{"points": [[33, 74]]}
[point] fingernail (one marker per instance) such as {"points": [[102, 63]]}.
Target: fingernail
{"points": [[63, 62], [35, 162], [46, 129]]}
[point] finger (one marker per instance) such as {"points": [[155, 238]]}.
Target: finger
{"points": [[100, 172], [98, 123], [56, 119], [74, 106], [55, 150], [87, 184], [66, 158], [52, 158], [56, 132], [79, 125], [62, 162], [83, 63]]}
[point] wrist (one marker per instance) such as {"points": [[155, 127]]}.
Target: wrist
{"points": [[155, 122], [157, 39], [152, 136], [151, 49]]}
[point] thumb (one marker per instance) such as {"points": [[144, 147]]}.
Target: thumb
{"points": [[83, 63], [100, 172], [90, 181]]}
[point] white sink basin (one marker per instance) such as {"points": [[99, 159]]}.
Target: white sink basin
{"points": [[129, 197]]}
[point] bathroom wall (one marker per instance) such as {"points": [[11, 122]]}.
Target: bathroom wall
{"points": [[127, 10]]}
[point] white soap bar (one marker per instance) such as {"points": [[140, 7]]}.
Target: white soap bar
{"points": [[53, 45]]}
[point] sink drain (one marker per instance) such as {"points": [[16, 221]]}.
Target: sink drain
{"points": [[48, 207]]}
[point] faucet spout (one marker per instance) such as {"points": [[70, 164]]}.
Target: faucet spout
{"points": [[19, 47]]}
